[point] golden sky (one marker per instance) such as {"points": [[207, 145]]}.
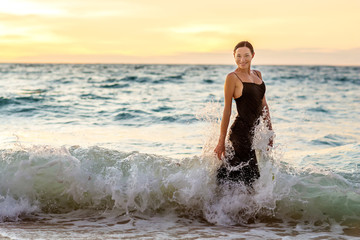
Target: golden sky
{"points": [[186, 31]]}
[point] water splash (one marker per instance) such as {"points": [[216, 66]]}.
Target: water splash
{"points": [[52, 179]]}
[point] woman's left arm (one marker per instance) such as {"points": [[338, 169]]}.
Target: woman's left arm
{"points": [[265, 105], [267, 113]]}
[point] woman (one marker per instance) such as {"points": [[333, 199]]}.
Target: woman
{"points": [[248, 90]]}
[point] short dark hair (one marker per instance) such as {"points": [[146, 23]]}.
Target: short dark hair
{"points": [[244, 44]]}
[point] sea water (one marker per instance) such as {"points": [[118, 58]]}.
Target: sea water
{"points": [[126, 151]]}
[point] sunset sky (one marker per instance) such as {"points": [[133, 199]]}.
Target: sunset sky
{"points": [[165, 31]]}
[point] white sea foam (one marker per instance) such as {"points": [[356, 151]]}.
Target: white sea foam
{"points": [[62, 180], [11, 209]]}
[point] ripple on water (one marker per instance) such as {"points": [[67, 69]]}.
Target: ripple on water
{"points": [[333, 140], [116, 85]]}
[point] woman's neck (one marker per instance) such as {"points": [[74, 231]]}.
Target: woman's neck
{"points": [[243, 71]]}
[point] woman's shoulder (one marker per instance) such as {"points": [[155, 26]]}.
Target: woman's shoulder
{"points": [[231, 80], [257, 73], [231, 76]]}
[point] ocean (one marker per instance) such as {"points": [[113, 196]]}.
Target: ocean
{"points": [[125, 151]]}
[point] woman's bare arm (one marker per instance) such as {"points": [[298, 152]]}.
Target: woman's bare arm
{"points": [[265, 105], [229, 88], [267, 113]]}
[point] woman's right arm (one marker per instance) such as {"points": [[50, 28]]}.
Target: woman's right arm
{"points": [[229, 88]]}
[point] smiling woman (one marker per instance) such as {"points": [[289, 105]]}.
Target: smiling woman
{"points": [[248, 90]]}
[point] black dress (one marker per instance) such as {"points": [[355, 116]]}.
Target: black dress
{"points": [[243, 166]]}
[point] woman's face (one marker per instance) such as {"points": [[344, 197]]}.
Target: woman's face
{"points": [[243, 57]]}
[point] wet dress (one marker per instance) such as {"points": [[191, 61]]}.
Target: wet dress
{"points": [[243, 166]]}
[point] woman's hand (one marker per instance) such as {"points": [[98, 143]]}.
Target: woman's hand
{"points": [[271, 142], [220, 150]]}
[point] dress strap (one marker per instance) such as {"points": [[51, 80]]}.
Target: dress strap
{"points": [[237, 76], [257, 73]]}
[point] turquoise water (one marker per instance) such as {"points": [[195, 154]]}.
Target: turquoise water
{"points": [[109, 151]]}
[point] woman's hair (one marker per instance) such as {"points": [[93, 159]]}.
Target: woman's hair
{"points": [[245, 44]]}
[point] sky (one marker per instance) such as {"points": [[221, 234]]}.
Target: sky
{"points": [[306, 32]]}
